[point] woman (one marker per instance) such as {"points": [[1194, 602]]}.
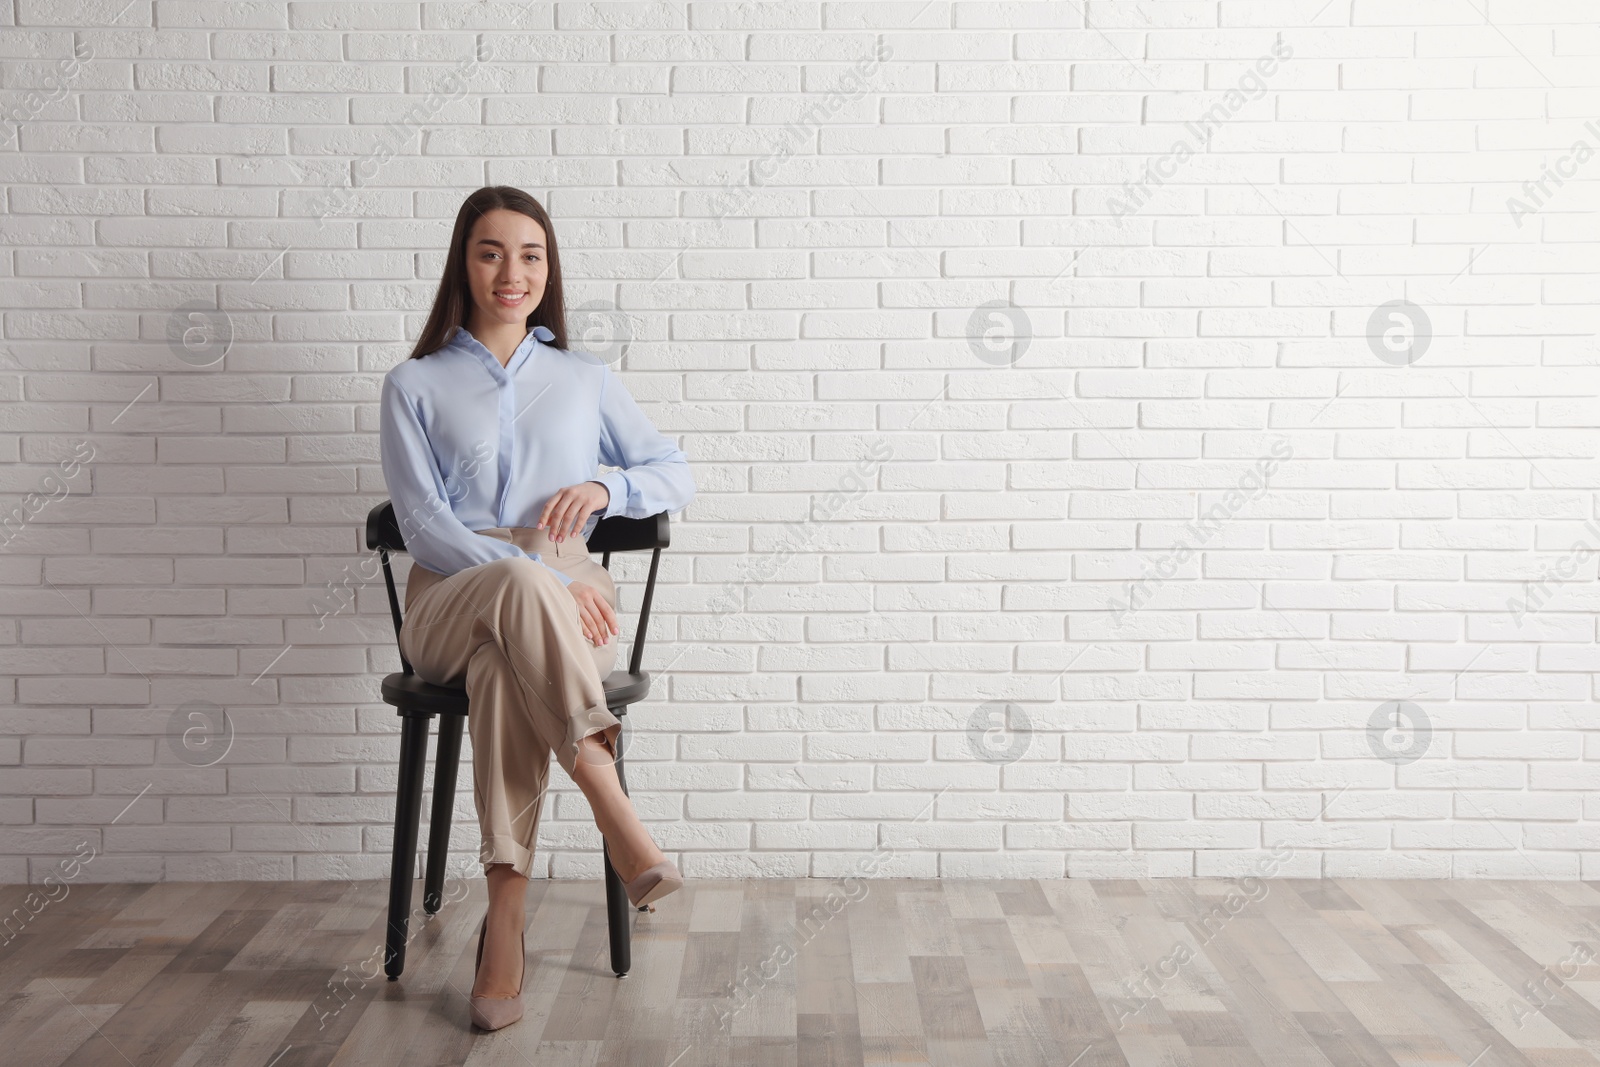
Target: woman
{"points": [[491, 438]]}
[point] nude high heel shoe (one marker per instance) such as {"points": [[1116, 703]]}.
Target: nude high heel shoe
{"points": [[491, 1013], [653, 883]]}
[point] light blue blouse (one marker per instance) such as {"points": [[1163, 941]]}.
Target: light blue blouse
{"points": [[497, 442]]}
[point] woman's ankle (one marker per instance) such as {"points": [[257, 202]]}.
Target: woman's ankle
{"points": [[507, 891]]}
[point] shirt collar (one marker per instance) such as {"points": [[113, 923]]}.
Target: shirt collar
{"points": [[462, 338]]}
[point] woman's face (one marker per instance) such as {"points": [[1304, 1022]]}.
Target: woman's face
{"points": [[506, 266]]}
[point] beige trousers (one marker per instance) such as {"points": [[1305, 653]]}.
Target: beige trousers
{"points": [[534, 682]]}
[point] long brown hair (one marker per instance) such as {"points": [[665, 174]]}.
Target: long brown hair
{"points": [[454, 300]]}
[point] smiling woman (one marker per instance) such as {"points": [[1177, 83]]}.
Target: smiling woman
{"points": [[491, 438]]}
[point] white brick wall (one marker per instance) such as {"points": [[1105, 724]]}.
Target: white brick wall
{"points": [[1199, 525]]}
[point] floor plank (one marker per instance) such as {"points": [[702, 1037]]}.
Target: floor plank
{"points": [[817, 973]]}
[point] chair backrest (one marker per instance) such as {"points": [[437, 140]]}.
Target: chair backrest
{"points": [[614, 534]]}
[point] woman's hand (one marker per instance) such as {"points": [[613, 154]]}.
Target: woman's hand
{"points": [[594, 612], [564, 515], [566, 512]]}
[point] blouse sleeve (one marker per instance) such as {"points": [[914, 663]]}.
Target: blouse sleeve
{"points": [[655, 473], [434, 536]]}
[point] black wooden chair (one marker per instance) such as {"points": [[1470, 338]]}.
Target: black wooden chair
{"points": [[417, 702]]}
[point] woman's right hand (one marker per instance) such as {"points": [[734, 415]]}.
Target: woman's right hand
{"points": [[594, 612]]}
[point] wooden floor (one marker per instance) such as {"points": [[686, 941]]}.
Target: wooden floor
{"points": [[778, 973]]}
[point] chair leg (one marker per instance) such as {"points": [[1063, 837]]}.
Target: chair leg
{"points": [[445, 763], [622, 746], [617, 902], [407, 809], [617, 919]]}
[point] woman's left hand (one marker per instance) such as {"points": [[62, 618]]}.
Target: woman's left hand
{"points": [[595, 614], [565, 513]]}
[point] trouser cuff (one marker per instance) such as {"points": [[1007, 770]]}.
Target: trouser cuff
{"points": [[506, 850]]}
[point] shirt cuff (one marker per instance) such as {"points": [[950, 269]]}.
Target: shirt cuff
{"points": [[617, 486]]}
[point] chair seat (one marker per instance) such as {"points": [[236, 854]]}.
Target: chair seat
{"points": [[410, 691]]}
